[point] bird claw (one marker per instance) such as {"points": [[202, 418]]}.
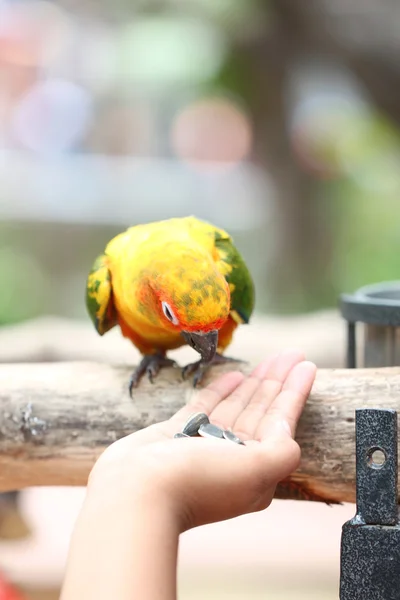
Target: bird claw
{"points": [[199, 368], [149, 365]]}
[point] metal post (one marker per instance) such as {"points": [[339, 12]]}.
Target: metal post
{"points": [[370, 546], [351, 348]]}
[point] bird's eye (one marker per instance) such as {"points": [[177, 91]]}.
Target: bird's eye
{"points": [[168, 312]]}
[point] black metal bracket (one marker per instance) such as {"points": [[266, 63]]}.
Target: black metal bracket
{"points": [[376, 305], [370, 545]]}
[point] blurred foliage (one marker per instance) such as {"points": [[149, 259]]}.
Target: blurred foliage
{"points": [[116, 81]]}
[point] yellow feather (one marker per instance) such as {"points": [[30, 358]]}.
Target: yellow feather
{"points": [[176, 255]]}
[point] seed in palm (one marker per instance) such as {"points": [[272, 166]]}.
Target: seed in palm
{"points": [[228, 435], [194, 422], [211, 431]]}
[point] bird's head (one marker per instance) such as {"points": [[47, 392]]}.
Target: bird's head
{"points": [[192, 297]]}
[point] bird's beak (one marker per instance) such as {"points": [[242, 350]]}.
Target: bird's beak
{"points": [[204, 343]]}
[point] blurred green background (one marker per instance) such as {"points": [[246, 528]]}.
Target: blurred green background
{"points": [[275, 120]]}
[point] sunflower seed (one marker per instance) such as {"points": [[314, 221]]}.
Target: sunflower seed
{"points": [[228, 435], [180, 435], [211, 431], [194, 422]]}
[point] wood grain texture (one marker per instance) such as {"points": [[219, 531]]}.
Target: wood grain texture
{"points": [[56, 419]]}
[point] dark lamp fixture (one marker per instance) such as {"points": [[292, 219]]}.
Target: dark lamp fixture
{"points": [[377, 308]]}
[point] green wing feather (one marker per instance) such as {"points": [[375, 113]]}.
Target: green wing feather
{"points": [[99, 300], [238, 277]]}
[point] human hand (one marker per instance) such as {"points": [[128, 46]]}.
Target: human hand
{"points": [[205, 480]]}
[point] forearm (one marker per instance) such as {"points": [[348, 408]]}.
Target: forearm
{"points": [[123, 547]]}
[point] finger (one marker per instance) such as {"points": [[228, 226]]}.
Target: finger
{"points": [[275, 375], [226, 412], [263, 367], [286, 408], [277, 458], [202, 401], [208, 398]]}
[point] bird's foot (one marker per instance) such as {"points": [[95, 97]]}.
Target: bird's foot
{"points": [[199, 368], [149, 365]]}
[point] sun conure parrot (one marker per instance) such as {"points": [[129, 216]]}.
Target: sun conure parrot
{"points": [[171, 283]]}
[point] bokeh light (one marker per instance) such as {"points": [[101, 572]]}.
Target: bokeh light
{"points": [[318, 133], [32, 32], [211, 132], [334, 137], [52, 117], [169, 50]]}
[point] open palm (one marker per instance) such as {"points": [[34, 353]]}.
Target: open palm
{"points": [[213, 479], [275, 392]]}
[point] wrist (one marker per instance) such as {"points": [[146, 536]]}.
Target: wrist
{"points": [[124, 531], [119, 486]]}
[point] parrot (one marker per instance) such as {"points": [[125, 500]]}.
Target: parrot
{"points": [[169, 283]]}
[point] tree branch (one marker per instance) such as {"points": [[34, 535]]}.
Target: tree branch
{"points": [[57, 418]]}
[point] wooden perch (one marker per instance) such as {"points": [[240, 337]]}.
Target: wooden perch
{"points": [[57, 418]]}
